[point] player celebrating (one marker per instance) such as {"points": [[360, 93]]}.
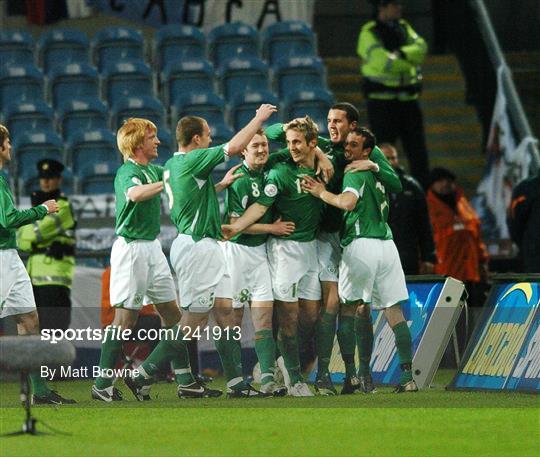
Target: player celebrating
{"points": [[293, 258], [138, 266], [247, 260], [370, 269], [196, 256], [16, 294]]}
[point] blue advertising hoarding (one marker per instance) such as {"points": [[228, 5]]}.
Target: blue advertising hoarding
{"points": [[431, 312], [504, 351]]}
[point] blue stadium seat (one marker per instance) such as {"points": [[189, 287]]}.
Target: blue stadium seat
{"points": [[113, 44], [220, 134], [21, 117], [176, 43], [82, 113], [98, 177], [244, 106], [231, 40], [243, 74], [31, 147], [126, 79], [16, 48], [298, 73], [86, 146], [287, 39], [187, 77], [20, 83], [32, 183], [208, 105], [166, 148], [142, 106], [72, 80], [314, 103], [61, 46]]}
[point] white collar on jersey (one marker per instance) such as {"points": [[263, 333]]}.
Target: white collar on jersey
{"points": [[179, 153]]}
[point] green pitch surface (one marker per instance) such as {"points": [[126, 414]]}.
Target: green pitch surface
{"points": [[434, 422]]}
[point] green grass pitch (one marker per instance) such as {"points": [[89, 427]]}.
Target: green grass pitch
{"points": [[433, 422]]}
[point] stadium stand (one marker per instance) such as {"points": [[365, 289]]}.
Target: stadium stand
{"points": [[81, 113], [231, 40], [314, 103], [125, 79], [16, 48], [72, 80], [91, 146], [295, 73], [114, 44], [245, 104], [177, 43], [190, 76], [34, 146], [287, 39], [207, 105], [98, 177], [20, 117], [243, 74], [61, 46], [20, 83], [141, 106]]}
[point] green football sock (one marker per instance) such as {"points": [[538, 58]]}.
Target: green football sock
{"points": [[324, 339], [404, 349], [172, 347], [181, 368], [364, 341], [288, 345], [305, 337], [39, 385], [265, 347], [347, 343], [110, 351], [230, 354]]}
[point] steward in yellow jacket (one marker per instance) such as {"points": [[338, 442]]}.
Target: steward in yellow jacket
{"points": [[51, 244]]}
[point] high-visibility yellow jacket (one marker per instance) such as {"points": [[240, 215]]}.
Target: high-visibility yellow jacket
{"points": [[51, 244], [391, 73]]}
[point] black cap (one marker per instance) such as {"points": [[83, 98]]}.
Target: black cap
{"points": [[49, 168], [441, 173], [384, 2]]}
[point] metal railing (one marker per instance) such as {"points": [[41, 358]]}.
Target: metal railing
{"points": [[515, 108]]}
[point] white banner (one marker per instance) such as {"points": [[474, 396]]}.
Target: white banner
{"points": [[507, 164]]}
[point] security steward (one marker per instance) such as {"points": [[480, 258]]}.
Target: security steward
{"points": [[391, 53], [51, 244]]}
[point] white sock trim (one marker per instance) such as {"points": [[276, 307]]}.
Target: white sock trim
{"points": [[234, 381], [182, 370]]}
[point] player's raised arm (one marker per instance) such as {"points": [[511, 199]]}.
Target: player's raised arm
{"points": [[239, 142], [345, 201]]}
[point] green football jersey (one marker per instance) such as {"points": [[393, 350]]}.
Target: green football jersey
{"points": [[11, 218], [192, 196], [137, 220], [331, 216], [240, 195], [368, 218], [283, 190]]}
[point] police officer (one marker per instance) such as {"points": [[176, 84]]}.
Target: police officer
{"points": [[51, 244], [391, 53]]}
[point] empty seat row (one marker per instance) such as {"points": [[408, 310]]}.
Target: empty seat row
{"points": [[172, 43]]}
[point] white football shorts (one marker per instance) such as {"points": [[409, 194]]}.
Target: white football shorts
{"points": [[200, 267], [249, 273], [138, 269], [371, 271], [16, 293], [294, 269]]}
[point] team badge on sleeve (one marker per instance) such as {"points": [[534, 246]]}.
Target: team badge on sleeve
{"points": [[270, 190], [245, 201], [136, 181]]}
